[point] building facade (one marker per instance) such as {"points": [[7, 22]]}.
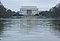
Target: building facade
{"points": [[28, 10]]}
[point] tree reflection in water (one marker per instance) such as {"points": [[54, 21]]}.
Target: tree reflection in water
{"points": [[56, 27], [1, 27]]}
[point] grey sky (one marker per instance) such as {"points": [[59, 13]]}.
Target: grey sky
{"points": [[41, 4]]}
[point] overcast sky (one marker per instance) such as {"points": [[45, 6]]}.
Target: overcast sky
{"points": [[41, 4]]}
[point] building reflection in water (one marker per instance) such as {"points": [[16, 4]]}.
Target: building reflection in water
{"points": [[27, 25]]}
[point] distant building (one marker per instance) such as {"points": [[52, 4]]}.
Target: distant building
{"points": [[28, 10]]}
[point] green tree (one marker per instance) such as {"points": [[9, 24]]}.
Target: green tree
{"points": [[45, 14], [2, 11], [8, 13], [55, 11]]}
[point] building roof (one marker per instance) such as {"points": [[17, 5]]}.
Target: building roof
{"points": [[29, 7]]}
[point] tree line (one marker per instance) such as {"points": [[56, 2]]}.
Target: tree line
{"points": [[54, 12], [5, 13]]}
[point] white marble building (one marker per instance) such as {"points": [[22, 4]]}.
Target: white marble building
{"points": [[28, 10]]}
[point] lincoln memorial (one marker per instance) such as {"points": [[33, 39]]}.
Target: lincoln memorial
{"points": [[28, 10]]}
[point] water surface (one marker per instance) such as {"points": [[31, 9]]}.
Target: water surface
{"points": [[29, 29]]}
